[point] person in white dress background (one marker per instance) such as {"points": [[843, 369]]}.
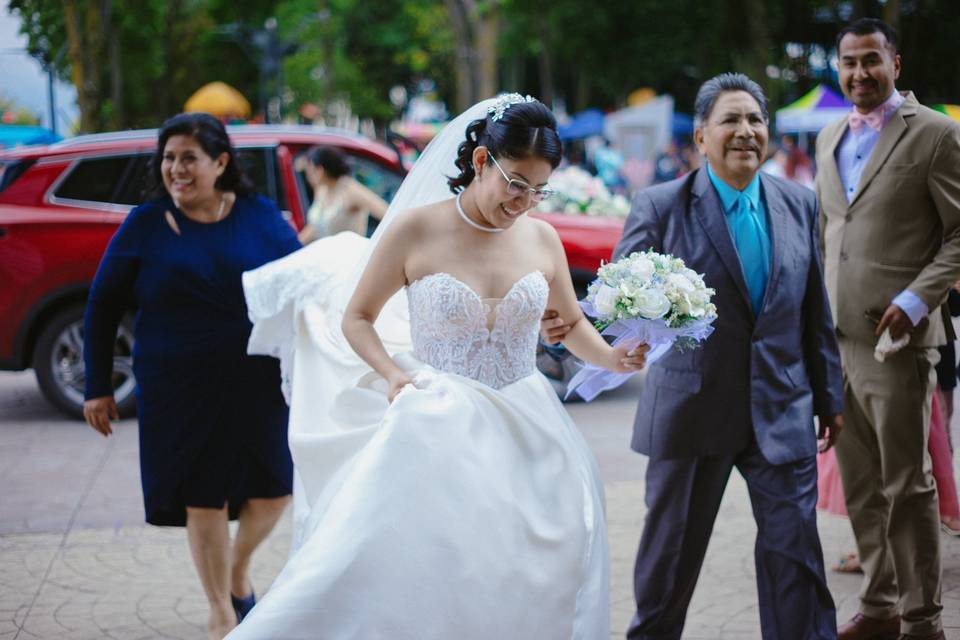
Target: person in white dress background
{"points": [[340, 203], [442, 490]]}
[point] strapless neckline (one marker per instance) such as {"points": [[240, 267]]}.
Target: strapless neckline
{"points": [[490, 306], [467, 287], [455, 330]]}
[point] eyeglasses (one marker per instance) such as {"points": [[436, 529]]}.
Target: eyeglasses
{"points": [[517, 188]]}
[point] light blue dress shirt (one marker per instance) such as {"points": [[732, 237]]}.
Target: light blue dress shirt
{"points": [[853, 153], [729, 197]]}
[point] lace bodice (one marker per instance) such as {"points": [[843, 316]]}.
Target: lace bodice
{"points": [[451, 328]]}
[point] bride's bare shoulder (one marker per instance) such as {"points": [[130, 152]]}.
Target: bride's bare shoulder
{"points": [[423, 218], [544, 231]]}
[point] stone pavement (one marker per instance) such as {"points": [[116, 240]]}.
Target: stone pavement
{"points": [[76, 561]]}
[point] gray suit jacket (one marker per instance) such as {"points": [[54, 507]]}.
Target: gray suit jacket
{"points": [[756, 377]]}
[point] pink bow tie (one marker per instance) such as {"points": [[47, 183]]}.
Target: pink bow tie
{"points": [[874, 120]]}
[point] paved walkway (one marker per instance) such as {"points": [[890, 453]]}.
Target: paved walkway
{"points": [[76, 562]]}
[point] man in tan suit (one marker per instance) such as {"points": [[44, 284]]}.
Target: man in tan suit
{"points": [[889, 189]]}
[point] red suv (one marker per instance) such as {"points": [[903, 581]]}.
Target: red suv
{"points": [[60, 205]]}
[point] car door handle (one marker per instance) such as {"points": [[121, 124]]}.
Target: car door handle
{"points": [[3, 231]]}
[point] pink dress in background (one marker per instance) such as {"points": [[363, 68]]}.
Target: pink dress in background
{"points": [[830, 487]]}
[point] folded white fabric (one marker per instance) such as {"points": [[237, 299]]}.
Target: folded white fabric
{"points": [[887, 346]]}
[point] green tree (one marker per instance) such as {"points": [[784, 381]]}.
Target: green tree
{"points": [[136, 63], [357, 51]]}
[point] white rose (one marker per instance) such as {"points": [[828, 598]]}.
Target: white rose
{"points": [[692, 276], [628, 289], [699, 297], [605, 299], [695, 309], [642, 268], [651, 304], [680, 282]]}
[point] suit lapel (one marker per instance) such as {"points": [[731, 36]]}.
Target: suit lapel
{"points": [[828, 173], [777, 215], [889, 137], [708, 209]]}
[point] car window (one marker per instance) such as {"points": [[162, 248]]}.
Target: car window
{"points": [[132, 188], [382, 180], [261, 166], [123, 179], [96, 179], [11, 170]]}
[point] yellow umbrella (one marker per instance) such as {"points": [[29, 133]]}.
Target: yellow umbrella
{"points": [[219, 99], [641, 95]]}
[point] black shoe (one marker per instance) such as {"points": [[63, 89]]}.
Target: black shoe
{"points": [[243, 605]]}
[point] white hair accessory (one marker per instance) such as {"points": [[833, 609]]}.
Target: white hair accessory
{"points": [[504, 102]]}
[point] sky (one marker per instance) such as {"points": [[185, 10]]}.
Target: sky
{"points": [[23, 80]]}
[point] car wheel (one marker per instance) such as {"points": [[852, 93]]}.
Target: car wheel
{"points": [[58, 363]]}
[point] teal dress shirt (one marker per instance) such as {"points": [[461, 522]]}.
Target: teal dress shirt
{"points": [[746, 215]]}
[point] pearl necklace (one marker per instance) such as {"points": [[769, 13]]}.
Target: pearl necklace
{"points": [[466, 218], [223, 201]]}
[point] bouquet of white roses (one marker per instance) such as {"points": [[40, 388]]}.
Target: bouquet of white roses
{"points": [[576, 192], [645, 298]]}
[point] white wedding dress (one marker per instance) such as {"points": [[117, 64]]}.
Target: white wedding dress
{"points": [[470, 508]]}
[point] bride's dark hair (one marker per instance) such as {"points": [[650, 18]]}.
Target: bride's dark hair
{"points": [[526, 130]]}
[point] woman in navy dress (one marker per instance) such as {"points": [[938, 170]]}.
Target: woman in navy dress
{"points": [[213, 422]]}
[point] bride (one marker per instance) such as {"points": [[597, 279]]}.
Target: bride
{"points": [[442, 491]]}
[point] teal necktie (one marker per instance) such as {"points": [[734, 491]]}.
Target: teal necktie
{"points": [[753, 248]]}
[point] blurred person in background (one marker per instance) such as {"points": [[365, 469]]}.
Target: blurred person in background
{"points": [[340, 203], [670, 164], [776, 164], [799, 166], [609, 163]]}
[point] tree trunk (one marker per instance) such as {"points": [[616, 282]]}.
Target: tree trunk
{"points": [[545, 63], [464, 62], [79, 50], [759, 37], [165, 106], [486, 48], [118, 118]]}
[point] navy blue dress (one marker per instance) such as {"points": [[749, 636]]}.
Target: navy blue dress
{"points": [[213, 422]]}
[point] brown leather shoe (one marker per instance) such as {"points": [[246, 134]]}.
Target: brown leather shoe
{"points": [[861, 627], [909, 636]]}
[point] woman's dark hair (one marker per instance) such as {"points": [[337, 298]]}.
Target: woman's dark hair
{"points": [[331, 160], [525, 130], [212, 137]]}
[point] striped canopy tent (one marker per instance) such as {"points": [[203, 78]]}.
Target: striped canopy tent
{"points": [[219, 99], [811, 113], [951, 110]]}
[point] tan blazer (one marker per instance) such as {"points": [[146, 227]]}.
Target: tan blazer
{"points": [[902, 229]]}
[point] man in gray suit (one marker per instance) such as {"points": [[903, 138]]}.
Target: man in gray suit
{"points": [[747, 397]]}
